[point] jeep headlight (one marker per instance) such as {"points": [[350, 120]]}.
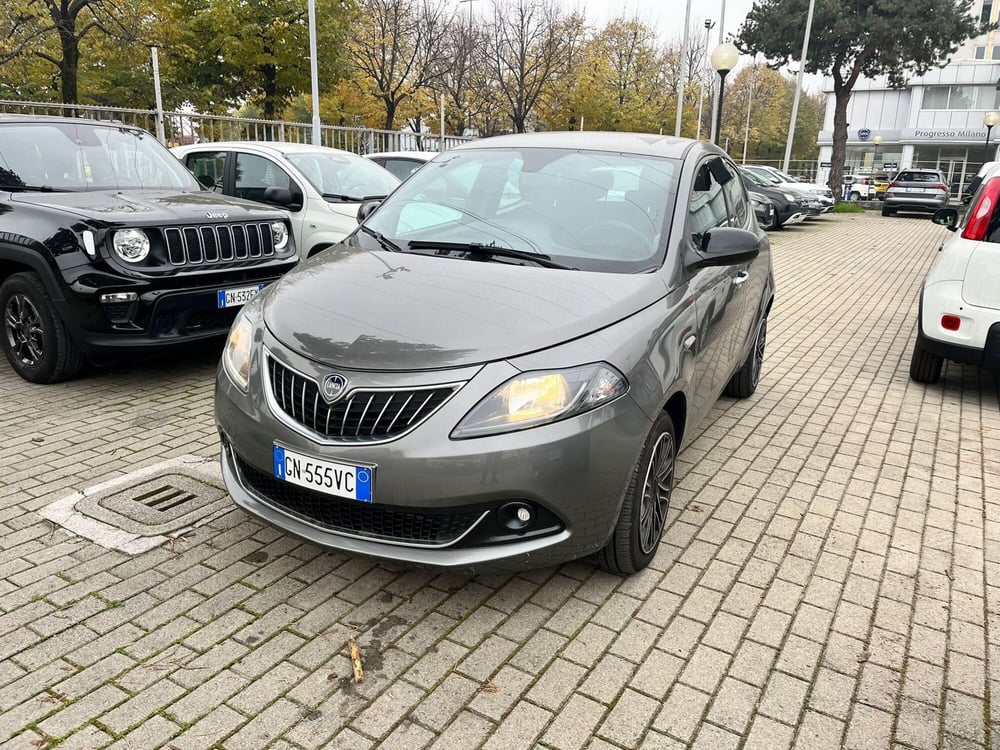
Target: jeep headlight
{"points": [[236, 355], [541, 397], [789, 197], [279, 233], [131, 245]]}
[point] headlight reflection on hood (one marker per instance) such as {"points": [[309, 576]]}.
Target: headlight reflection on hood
{"points": [[536, 398]]}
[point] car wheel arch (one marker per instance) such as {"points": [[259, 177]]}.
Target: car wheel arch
{"points": [[677, 407]]}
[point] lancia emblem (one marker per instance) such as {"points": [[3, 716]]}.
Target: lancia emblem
{"points": [[217, 215], [334, 387]]}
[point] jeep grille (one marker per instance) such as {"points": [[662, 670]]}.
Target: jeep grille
{"points": [[218, 243]]}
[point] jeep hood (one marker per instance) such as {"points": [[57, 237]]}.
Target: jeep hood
{"points": [[150, 207], [377, 310]]}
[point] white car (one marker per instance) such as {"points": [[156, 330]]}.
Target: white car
{"points": [[959, 316], [320, 187], [402, 163], [859, 187]]}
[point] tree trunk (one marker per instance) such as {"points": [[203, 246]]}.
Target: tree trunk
{"points": [[270, 73], [390, 113], [70, 63], [842, 96]]}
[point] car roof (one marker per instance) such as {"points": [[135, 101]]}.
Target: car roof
{"points": [[642, 144], [281, 148], [6, 117], [415, 155]]}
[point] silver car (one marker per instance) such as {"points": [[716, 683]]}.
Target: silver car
{"points": [[916, 190], [497, 369]]}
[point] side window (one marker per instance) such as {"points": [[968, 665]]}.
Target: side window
{"points": [[402, 168], [707, 208], [736, 197], [254, 174], [208, 166]]}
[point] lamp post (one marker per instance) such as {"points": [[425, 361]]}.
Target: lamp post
{"points": [[989, 120], [877, 140], [709, 24], [724, 59]]}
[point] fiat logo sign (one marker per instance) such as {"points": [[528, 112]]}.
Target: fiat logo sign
{"points": [[334, 387], [864, 134]]}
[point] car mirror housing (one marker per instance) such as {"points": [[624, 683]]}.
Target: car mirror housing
{"points": [[367, 208], [725, 246], [279, 196], [946, 217]]}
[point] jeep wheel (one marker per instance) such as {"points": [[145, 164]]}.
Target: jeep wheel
{"points": [[924, 366], [886, 211], [643, 516], [744, 382], [34, 338]]}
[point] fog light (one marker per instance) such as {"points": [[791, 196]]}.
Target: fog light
{"points": [[516, 516], [951, 322]]}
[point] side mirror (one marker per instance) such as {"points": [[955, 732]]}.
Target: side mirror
{"points": [[206, 180], [367, 208], [946, 217], [726, 246], [279, 196]]}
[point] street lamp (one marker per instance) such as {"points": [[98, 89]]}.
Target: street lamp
{"points": [[724, 59], [989, 120], [877, 140]]}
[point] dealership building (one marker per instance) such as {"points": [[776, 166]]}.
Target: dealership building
{"points": [[934, 121]]}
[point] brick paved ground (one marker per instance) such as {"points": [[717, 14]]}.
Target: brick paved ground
{"points": [[830, 576]]}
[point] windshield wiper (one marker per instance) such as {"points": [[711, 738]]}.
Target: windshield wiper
{"points": [[344, 198], [384, 241], [478, 248], [33, 188]]}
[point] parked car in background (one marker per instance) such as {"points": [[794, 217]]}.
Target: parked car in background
{"points": [[881, 184], [320, 187], [109, 247], [402, 163], [916, 190], [822, 192], [959, 311], [763, 208], [497, 369], [859, 187], [789, 208]]}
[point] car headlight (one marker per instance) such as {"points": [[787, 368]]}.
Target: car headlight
{"points": [[789, 197], [536, 398], [131, 245], [236, 355], [279, 233]]}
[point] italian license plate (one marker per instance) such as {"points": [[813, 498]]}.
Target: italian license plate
{"points": [[329, 477], [238, 297]]}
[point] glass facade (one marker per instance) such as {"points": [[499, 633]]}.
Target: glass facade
{"points": [[961, 97]]}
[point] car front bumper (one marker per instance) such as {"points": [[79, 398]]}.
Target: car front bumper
{"points": [[572, 473]]}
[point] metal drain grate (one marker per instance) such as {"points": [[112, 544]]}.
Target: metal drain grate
{"points": [[165, 498], [142, 509]]}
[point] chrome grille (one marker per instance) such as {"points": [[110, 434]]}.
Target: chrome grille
{"points": [[217, 243], [364, 415]]}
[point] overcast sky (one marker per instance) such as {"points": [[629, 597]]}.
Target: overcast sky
{"points": [[667, 16]]}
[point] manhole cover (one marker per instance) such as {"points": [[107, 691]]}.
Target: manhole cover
{"points": [[142, 509]]}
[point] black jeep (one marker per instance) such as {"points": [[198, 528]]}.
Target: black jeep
{"points": [[109, 246]]}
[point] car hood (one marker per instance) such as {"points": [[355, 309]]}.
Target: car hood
{"points": [[376, 310], [144, 207]]}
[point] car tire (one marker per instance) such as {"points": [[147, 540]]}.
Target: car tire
{"points": [[886, 211], [924, 366], [34, 338], [744, 382], [855, 196], [643, 516]]}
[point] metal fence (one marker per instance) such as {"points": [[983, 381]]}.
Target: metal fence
{"points": [[181, 128]]}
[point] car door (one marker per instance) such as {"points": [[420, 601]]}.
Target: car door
{"points": [[254, 174], [713, 287], [209, 167]]}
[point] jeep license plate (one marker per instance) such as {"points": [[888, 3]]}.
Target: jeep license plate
{"points": [[238, 297], [328, 477]]}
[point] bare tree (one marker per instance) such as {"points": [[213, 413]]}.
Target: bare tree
{"points": [[399, 46], [462, 41], [527, 50]]}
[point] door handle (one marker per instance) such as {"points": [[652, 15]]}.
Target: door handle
{"points": [[740, 278], [689, 342]]}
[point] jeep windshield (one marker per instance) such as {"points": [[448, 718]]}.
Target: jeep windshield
{"points": [[86, 156]]}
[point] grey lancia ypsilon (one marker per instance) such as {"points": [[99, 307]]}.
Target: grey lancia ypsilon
{"points": [[498, 368]]}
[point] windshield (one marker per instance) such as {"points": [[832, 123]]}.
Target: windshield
{"points": [[83, 156], [336, 173], [591, 210]]}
